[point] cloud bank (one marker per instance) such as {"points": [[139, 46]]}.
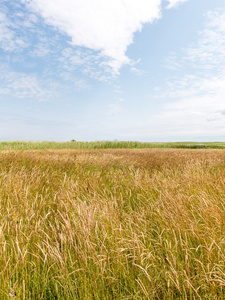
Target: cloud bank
{"points": [[104, 26]]}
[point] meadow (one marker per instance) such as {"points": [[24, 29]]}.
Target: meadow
{"points": [[112, 223]]}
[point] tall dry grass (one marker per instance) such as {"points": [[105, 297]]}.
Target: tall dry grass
{"points": [[112, 224]]}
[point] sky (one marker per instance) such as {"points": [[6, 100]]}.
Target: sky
{"points": [[146, 70]]}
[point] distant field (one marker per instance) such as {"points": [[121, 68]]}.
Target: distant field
{"points": [[112, 224], [20, 145]]}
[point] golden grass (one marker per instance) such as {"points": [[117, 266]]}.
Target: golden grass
{"points": [[112, 224]]}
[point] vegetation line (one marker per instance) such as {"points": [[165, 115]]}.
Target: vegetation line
{"points": [[23, 145]]}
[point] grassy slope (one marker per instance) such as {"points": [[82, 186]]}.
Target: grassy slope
{"points": [[20, 145], [112, 224]]}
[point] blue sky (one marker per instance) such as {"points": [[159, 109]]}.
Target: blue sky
{"points": [[146, 70]]}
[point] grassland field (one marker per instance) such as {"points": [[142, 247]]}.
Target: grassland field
{"points": [[111, 223]]}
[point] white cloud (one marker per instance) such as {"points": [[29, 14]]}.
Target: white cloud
{"points": [[174, 3], [100, 25]]}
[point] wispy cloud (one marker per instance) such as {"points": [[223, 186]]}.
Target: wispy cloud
{"points": [[174, 3], [21, 85], [195, 92], [86, 61], [202, 65], [137, 71], [81, 84], [209, 52], [9, 41], [42, 49]]}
